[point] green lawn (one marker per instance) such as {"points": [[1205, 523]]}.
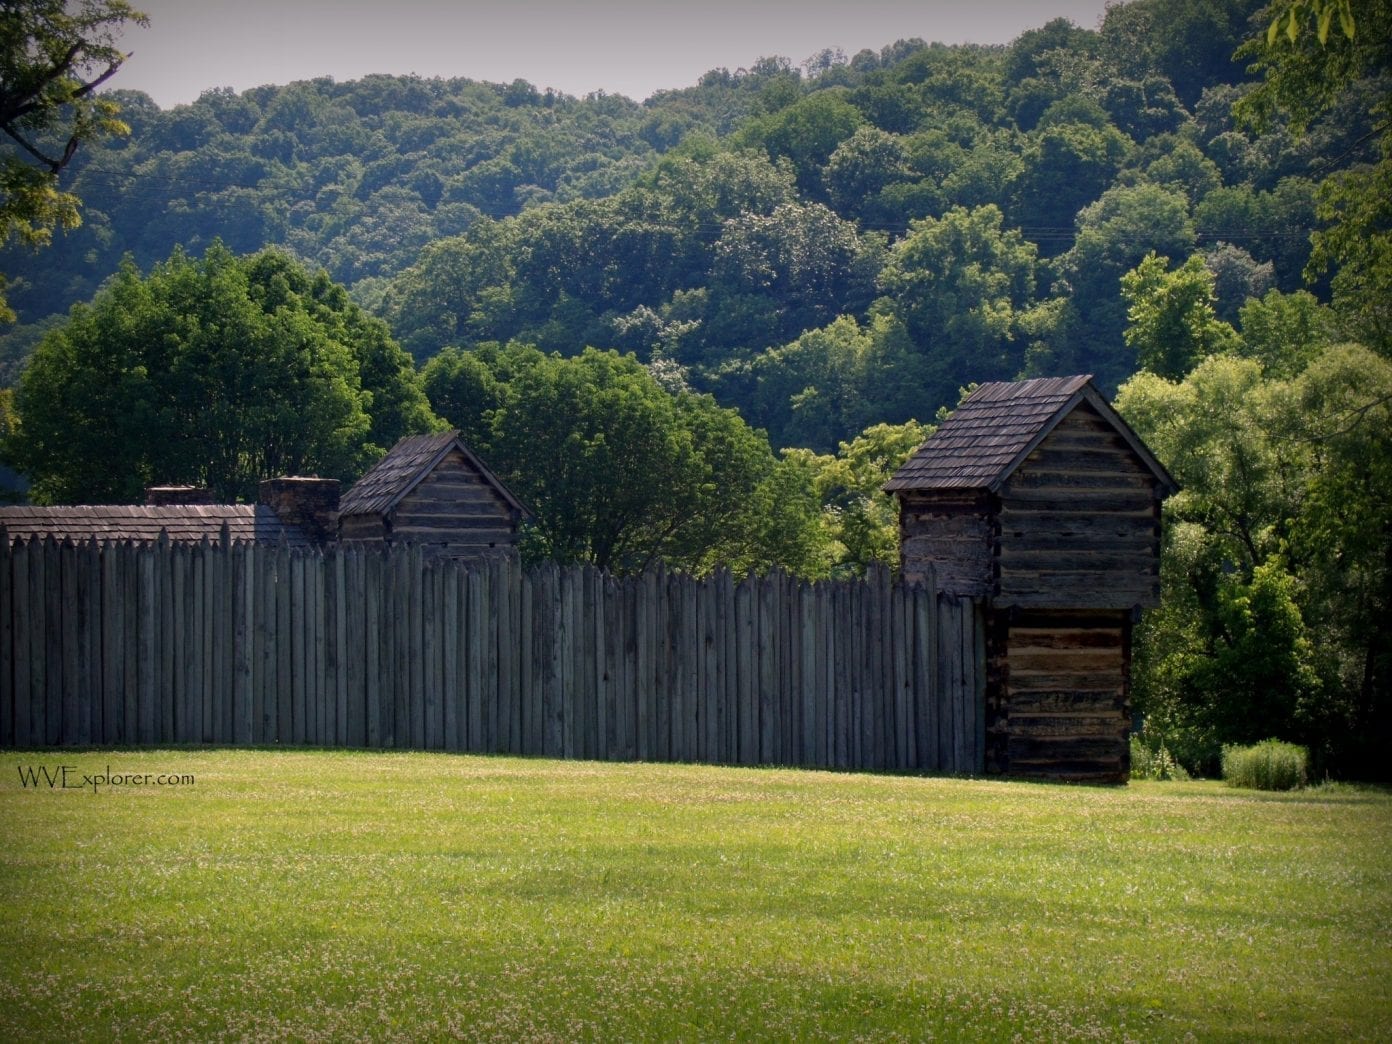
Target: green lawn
{"points": [[329, 895]]}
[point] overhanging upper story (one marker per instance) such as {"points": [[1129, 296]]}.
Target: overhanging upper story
{"points": [[1035, 494]]}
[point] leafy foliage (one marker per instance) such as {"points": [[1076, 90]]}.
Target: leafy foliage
{"points": [[53, 56], [1269, 765], [215, 372]]}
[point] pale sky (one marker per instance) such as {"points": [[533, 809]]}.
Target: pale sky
{"points": [[625, 47]]}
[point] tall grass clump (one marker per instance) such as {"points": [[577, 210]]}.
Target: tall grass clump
{"points": [[1269, 765], [1154, 762]]}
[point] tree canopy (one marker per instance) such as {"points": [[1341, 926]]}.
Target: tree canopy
{"points": [[218, 372], [53, 57]]}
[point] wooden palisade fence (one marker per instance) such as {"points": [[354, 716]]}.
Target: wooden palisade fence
{"points": [[121, 644]]}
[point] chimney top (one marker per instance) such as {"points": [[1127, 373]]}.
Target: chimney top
{"points": [[177, 496], [305, 501]]}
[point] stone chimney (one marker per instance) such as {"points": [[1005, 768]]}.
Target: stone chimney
{"points": [[176, 496], [309, 503]]}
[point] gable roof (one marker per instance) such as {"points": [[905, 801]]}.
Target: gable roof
{"points": [[405, 467], [184, 523], [999, 425]]}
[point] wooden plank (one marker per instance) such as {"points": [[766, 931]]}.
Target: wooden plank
{"points": [[737, 671], [610, 667], [58, 625], [203, 615], [547, 637], [491, 668], [661, 719], [258, 576], [566, 675], [451, 722], [7, 657], [168, 685], [27, 617], [785, 676], [299, 653], [709, 613], [884, 670], [925, 674], [859, 665], [833, 700], [45, 675], [437, 737], [415, 581], [643, 647], [591, 618], [900, 731], [355, 650], [280, 694], [396, 724], [694, 724], [728, 671], [626, 728], [9, 603], [76, 716], [594, 610], [474, 666], [533, 627], [949, 680], [146, 649], [92, 692], [766, 652], [181, 592], [112, 646], [334, 630], [978, 688], [509, 708], [678, 634], [224, 623], [373, 584], [243, 628], [265, 693], [188, 659], [430, 658], [511, 574]]}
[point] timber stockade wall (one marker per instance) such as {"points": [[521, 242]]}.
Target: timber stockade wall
{"points": [[152, 644]]}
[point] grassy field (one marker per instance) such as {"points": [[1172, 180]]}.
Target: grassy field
{"points": [[330, 895]]}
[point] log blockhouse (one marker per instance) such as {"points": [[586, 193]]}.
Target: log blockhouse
{"points": [[1036, 499], [432, 491]]}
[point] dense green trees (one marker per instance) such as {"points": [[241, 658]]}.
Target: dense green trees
{"points": [[1278, 559], [622, 472], [53, 57], [217, 372], [715, 226]]}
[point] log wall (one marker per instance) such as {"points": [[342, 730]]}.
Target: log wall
{"points": [[1079, 523], [1058, 695], [948, 534], [121, 644]]}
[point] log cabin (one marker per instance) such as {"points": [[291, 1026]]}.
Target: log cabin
{"points": [[1035, 499], [432, 491]]}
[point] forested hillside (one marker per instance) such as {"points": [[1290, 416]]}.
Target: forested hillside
{"points": [[822, 247]]}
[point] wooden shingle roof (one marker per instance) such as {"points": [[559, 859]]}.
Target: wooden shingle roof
{"points": [[992, 432], [406, 466], [184, 524]]}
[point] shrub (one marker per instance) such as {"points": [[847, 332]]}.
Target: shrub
{"points": [[1269, 765], [1155, 763]]}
